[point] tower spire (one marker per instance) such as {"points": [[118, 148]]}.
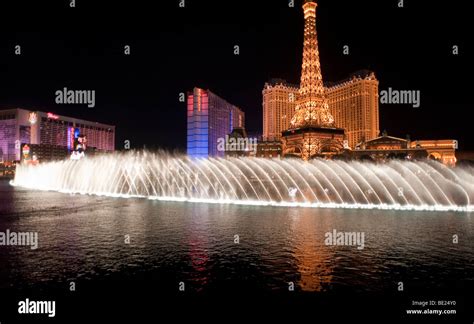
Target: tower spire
{"points": [[311, 105]]}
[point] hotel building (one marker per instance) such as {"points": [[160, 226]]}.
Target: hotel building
{"points": [[354, 104], [279, 101], [49, 132], [327, 119], [209, 119], [443, 150], [384, 146]]}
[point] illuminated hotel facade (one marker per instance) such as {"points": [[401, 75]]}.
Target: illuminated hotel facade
{"points": [[354, 103], [384, 146], [209, 119], [325, 119], [48, 130], [443, 150], [278, 107]]}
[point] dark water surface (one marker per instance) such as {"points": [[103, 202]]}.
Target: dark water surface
{"points": [[81, 239]]}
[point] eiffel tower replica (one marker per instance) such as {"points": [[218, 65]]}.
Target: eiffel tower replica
{"points": [[312, 132]]}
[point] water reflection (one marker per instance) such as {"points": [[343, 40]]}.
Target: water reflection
{"points": [[313, 258], [194, 243], [197, 240]]}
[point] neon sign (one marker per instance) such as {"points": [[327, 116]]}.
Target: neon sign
{"points": [[70, 138], [33, 118], [53, 116], [26, 151]]}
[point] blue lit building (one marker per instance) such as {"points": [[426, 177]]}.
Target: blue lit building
{"points": [[210, 118]]}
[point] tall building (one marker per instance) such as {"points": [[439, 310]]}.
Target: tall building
{"points": [[354, 103], [20, 126], [279, 102], [210, 118], [312, 129]]}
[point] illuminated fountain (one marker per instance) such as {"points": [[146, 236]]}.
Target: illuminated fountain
{"points": [[420, 185]]}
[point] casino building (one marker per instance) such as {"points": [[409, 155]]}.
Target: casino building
{"points": [[210, 119], [333, 119], [48, 136], [386, 147], [354, 103], [279, 103]]}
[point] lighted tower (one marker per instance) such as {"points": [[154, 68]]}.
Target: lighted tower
{"points": [[311, 106], [312, 131]]}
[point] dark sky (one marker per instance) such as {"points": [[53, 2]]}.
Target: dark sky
{"points": [[174, 49]]}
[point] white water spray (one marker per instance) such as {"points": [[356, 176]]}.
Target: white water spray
{"points": [[398, 185]]}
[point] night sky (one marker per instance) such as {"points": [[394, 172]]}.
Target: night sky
{"points": [[174, 49]]}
